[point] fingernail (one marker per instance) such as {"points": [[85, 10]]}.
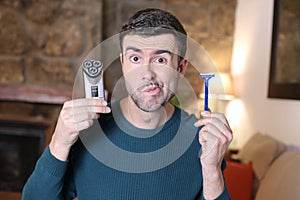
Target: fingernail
{"points": [[204, 113], [104, 103]]}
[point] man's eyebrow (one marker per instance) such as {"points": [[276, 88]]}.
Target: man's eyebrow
{"points": [[132, 49], [161, 51]]}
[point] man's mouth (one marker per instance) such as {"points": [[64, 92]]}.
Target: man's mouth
{"points": [[152, 88]]}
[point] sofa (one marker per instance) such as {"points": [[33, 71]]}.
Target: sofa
{"points": [[263, 169]]}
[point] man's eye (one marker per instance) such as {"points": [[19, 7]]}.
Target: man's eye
{"points": [[134, 59], [160, 60]]}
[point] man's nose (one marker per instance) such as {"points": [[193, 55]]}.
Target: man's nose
{"points": [[148, 72]]}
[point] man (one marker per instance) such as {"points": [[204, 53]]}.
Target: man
{"points": [[153, 44]]}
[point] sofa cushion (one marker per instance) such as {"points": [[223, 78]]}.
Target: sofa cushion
{"points": [[261, 150], [238, 177], [282, 179]]}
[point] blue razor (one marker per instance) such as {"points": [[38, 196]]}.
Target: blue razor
{"points": [[206, 78]]}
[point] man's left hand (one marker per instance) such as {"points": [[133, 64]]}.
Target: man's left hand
{"points": [[214, 137]]}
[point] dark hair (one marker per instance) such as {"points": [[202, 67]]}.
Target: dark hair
{"points": [[152, 21]]}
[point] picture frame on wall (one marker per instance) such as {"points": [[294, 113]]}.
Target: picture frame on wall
{"points": [[284, 79]]}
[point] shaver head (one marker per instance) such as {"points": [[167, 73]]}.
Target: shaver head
{"points": [[93, 71], [92, 68], [93, 80]]}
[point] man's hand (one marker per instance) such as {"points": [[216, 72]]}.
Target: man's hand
{"points": [[214, 137], [75, 116]]}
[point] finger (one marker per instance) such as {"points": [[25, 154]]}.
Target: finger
{"points": [[219, 120], [206, 137], [212, 143], [206, 121], [210, 131], [85, 117], [220, 131], [85, 102], [208, 142], [89, 109], [212, 121], [82, 125], [219, 116]]}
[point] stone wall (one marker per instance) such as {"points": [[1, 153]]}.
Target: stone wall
{"points": [[43, 42], [209, 22]]}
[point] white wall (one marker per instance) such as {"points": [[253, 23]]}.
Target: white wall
{"points": [[254, 111]]}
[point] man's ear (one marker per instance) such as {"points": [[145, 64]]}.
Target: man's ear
{"points": [[182, 66], [121, 58]]}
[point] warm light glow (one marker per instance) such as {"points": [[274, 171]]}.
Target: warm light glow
{"points": [[235, 110], [238, 60], [227, 84]]}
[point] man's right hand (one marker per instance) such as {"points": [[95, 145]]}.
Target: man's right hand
{"points": [[75, 116]]}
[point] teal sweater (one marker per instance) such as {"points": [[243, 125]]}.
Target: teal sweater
{"points": [[89, 176]]}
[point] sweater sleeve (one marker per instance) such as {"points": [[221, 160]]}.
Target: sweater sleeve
{"points": [[47, 180], [225, 195]]}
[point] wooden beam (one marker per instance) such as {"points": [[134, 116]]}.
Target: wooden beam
{"points": [[35, 94]]}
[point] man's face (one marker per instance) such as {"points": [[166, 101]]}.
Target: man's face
{"points": [[150, 68]]}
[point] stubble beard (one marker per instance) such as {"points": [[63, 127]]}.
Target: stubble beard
{"points": [[150, 103]]}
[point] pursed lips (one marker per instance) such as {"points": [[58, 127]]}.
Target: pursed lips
{"points": [[152, 88]]}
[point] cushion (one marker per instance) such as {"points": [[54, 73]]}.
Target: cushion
{"points": [[238, 177], [282, 179], [261, 150]]}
